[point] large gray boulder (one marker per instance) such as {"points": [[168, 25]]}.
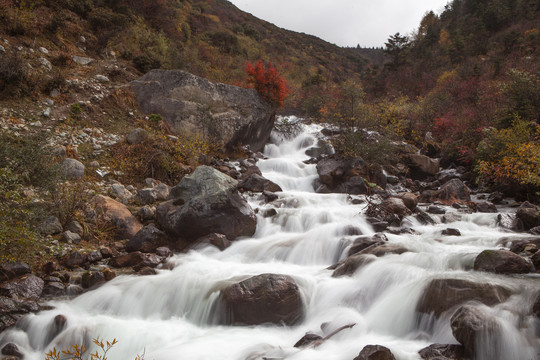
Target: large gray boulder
{"points": [[193, 105], [266, 298], [501, 262], [470, 326], [206, 202]]}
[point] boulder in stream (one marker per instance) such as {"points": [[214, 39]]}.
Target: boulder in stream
{"points": [[443, 352], [444, 294], [206, 202], [529, 215], [469, 325], [501, 262], [375, 352], [266, 298]]}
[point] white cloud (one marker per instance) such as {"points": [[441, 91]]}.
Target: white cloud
{"points": [[344, 22]]}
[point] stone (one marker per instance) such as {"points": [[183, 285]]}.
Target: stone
{"points": [[94, 256], [218, 240], [43, 50], [395, 206], [322, 148], [27, 287], [485, 207], [136, 136], [117, 214], [354, 185], [82, 60], [192, 105], [70, 237], [451, 232], [148, 239], [101, 78], [120, 192], [510, 222], [536, 307], [363, 242], [206, 202], [375, 352], [73, 260], [146, 196], [334, 171], [137, 260], [501, 262], [442, 295], [50, 226], [496, 197], [10, 349], [422, 165], [353, 263], [46, 64], [454, 190], [2, 49], [72, 169], [162, 191], [75, 227], [164, 252], [266, 298], [409, 199], [380, 250], [258, 183], [11, 270], [53, 289], [443, 352], [469, 325], [92, 279], [529, 215], [146, 213]]}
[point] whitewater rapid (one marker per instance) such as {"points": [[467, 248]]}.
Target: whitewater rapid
{"points": [[174, 314]]}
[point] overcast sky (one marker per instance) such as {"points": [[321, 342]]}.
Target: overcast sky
{"points": [[344, 22]]}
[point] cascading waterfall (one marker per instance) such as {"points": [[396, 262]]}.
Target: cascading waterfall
{"points": [[174, 314]]}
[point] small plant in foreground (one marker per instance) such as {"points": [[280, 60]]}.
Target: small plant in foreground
{"points": [[78, 352]]}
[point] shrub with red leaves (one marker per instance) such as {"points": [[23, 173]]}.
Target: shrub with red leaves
{"points": [[267, 81]]}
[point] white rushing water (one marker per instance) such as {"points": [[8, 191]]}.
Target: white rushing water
{"points": [[173, 315]]}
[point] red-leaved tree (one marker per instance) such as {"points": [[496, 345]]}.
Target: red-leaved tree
{"points": [[267, 81]]}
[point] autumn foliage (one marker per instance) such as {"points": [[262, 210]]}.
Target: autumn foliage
{"points": [[267, 81]]}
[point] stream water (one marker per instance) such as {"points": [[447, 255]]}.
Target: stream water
{"points": [[172, 315]]}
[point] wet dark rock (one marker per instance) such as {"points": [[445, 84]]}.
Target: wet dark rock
{"points": [[363, 242], [536, 307], [55, 327], [308, 339], [423, 217], [109, 274], [9, 270], [146, 271], [334, 171], [485, 207], [106, 252], [451, 232], [353, 263], [496, 198], [210, 204], [375, 352], [258, 183], [136, 260], [269, 212], [436, 210], [323, 148], [269, 196], [384, 249], [535, 259], [443, 352], [235, 115], [148, 239], [92, 279], [378, 224], [218, 240], [501, 262], [354, 185], [529, 214], [10, 349], [444, 294], [53, 289], [470, 324], [535, 230], [73, 260], [266, 298]]}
